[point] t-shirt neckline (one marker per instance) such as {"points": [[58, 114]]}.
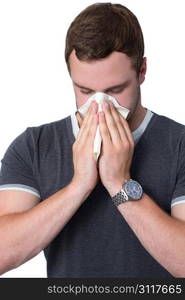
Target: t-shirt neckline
{"points": [[137, 134]]}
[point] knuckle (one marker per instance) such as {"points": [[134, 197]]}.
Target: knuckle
{"points": [[92, 128], [132, 144], [117, 119], [127, 145], [119, 149], [112, 123], [74, 146], [104, 131]]}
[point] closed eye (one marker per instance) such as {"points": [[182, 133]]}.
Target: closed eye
{"points": [[115, 91], [86, 92], [118, 89]]}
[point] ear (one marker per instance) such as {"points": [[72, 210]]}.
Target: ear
{"points": [[143, 70]]}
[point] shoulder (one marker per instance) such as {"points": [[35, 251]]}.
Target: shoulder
{"points": [[49, 129], [167, 127], [40, 136], [49, 133], [168, 122]]}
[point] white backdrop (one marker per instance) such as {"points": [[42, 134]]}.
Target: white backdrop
{"points": [[34, 82]]}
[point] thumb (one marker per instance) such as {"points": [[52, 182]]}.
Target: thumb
{"points": [[79, 118]]}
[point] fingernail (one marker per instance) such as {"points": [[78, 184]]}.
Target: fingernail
{"points": [[93, 104], [110, 103], [76, 114]]}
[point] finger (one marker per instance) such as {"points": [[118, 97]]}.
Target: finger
{"points": [[88, 136], [85, 121], [117, 117], [80, 118], [111, 124], [91, 132], [92, 122], [85, 128], [104, 131], [124, 123], [127, 130]]}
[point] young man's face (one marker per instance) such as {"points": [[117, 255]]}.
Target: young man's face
{"points": [[113, 75]]}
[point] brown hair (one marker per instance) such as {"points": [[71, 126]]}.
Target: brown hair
{"points": [[102, 28]]}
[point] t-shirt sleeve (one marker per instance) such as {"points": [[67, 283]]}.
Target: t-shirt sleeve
{"points": [[17, 167], [179, 191]]}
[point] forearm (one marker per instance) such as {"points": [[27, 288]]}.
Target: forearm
{"points": [[23, 235], [161, 235]]}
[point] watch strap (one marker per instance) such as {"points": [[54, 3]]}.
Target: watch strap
{"points": [[120, 197]]}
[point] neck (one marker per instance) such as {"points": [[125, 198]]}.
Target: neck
{"points": [[137, 117]]}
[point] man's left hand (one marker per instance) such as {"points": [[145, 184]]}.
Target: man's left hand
{"points": [[117, 149]]}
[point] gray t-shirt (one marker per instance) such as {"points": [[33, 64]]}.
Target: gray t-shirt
{"points": [[97, 241]]}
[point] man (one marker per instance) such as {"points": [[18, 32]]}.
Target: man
{"points": [[88, 216]]}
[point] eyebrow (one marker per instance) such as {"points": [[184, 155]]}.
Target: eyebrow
{"points": [[121, 85]]}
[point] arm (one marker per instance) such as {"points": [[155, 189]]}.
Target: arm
{"points": [[162, 235], [27, 226]]}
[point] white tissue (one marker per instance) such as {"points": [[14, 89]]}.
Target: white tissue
{"points": [[99, 98]]}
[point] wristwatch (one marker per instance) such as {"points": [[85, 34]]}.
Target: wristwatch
{"points": [[131, 190]]}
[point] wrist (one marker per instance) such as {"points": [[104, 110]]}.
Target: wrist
{"points": [[80, 188], [115, 187], [131, 191]]}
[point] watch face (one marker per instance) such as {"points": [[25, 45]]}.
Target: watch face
{"points": [[133, 189]]}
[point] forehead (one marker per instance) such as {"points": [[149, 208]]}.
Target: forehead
{"points": [[108, 71]]}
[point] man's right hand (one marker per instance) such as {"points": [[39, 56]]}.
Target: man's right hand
{"points": [[85, 164], [29, 225]]}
